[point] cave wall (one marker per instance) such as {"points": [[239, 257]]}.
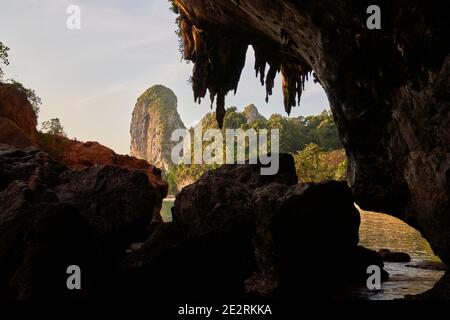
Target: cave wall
{"points": [[388, 88]]}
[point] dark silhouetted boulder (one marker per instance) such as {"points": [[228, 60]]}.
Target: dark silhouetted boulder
{"points": [[236, 236], [389, 256], [52, 217], [230, 184], [17, 118]]}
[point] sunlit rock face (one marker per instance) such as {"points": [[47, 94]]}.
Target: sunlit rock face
{"points": [[388, 88], [154, 119], [237, 234], [17, 118]]}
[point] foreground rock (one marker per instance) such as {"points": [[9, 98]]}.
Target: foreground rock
{"points": [[235, 236], [52, 217], [81, 155], [429, 265], [17, 118]]}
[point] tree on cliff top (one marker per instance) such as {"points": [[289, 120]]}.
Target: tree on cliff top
{"points": [[3, 58], [54, 127]]}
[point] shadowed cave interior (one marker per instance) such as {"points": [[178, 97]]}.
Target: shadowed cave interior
{"points": [[234, 233]]}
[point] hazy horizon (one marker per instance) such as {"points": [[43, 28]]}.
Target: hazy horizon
{"points": [[91, 78]]}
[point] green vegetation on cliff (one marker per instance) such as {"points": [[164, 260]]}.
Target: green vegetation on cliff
{"points": [[154, 119], [313, 141]]}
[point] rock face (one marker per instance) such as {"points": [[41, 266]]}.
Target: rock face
{"points": [[80, 155], [154, 119], [52, 217], [237, 234], [252, 114], [392, 112], [17, 118], [232, 185], [389, 256]]}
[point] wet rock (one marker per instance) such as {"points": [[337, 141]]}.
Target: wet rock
{"points": [[440, 291], [389, 256], [429, 265], [81, 155]]}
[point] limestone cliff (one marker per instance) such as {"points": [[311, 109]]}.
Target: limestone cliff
{"points": [[252, 114], [154, 119], [17, 118], [52, 216]]}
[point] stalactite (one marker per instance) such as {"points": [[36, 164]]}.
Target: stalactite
{"points": [[263, 56], [294, 76], [260, 64], [188, 38], [199, 78], [219, 60], [220, 109], [225, 64], [270, 79]]}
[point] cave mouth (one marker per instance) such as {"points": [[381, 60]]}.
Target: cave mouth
{"points": [[375, 101], [378, 232]]}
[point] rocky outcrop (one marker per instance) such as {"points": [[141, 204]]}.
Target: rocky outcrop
{"points": [[17, 118], [237, 234], [389, 256], [232, 185], [154, 119], [80, 155], [440, 291], [252, 114], [52, 217], [388, 88]]}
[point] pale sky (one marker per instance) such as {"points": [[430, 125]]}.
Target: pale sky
{"points": [[91, 78]]}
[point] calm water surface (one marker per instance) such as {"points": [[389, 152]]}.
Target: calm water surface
{"points": [[166, 212], [379, 231]]}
